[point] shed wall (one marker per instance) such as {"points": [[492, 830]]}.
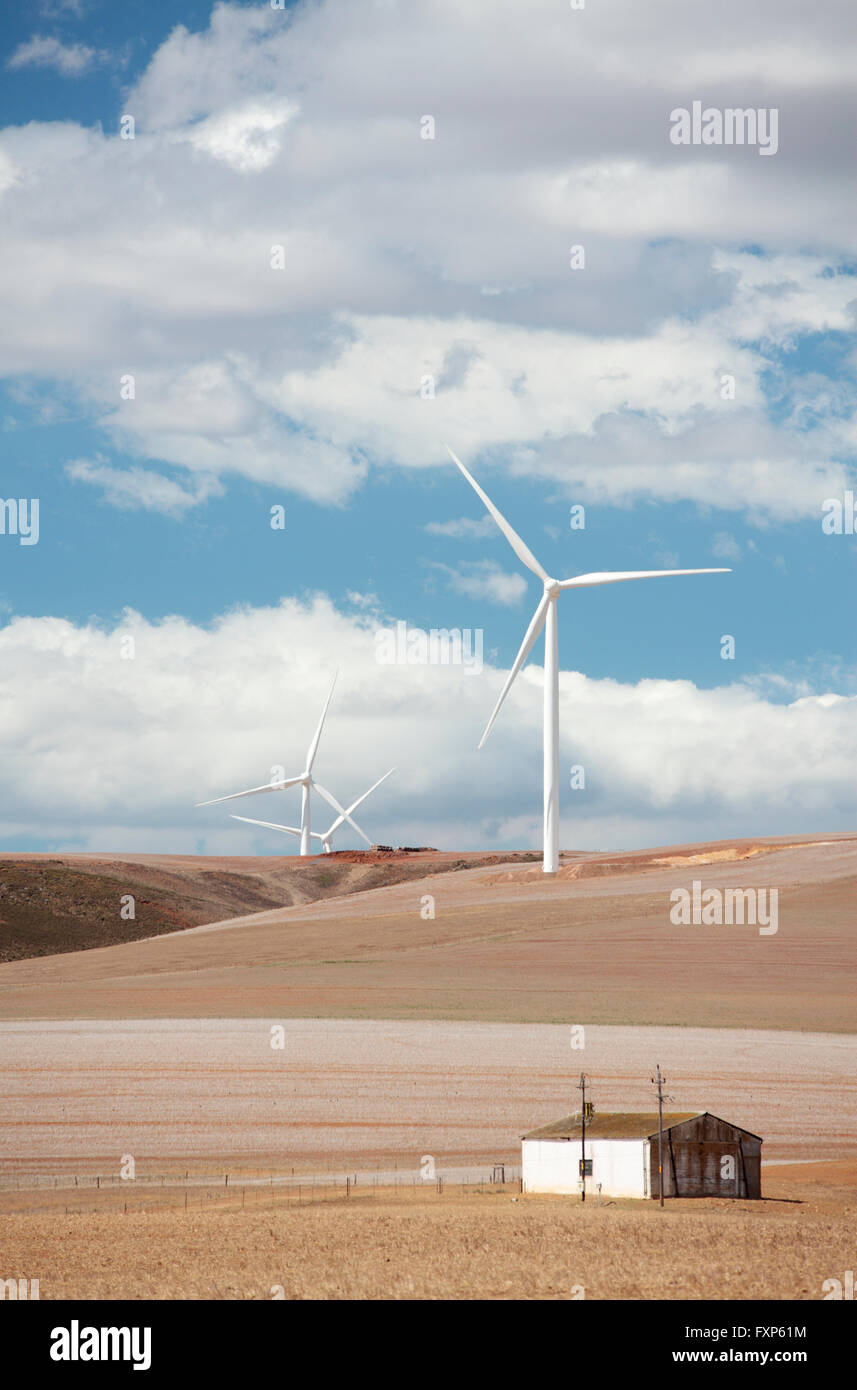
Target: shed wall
{"points": [[707, 1157], [551, 1165]]}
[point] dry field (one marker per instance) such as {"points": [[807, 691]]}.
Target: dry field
{"points": [[52, 903], [408, 1034], [452, 1245], [504, 945], [213, 1094]]}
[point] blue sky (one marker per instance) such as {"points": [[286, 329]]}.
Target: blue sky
{"points": [[123, 37], [404, 257], [94, 560]]}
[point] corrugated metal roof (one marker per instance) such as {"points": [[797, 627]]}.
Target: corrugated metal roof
{"points": [[629, 1125]]}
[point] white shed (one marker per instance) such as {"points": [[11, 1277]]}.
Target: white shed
{"points": [[703, 1156], [618, 1146]]}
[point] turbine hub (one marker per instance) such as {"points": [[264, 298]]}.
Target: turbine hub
{"points": [[552, 587]]}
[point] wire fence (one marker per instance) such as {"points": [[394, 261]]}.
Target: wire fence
{"points": [[198, 1191]]}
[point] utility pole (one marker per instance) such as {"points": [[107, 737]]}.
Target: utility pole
{"points": [[658, 1080], [581, 1086]]}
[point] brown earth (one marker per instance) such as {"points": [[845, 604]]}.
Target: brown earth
{"points": [[458, 1244], [52, 904], [508, 946]]}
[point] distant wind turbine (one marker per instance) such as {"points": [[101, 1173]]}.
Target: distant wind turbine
{"points": [[545, 617], [328, 834], [306, 781]]}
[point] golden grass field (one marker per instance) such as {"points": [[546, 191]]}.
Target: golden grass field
{"points": [[411, 1244]]}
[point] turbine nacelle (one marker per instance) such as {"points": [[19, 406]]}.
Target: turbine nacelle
{"points": [[326, 838]]}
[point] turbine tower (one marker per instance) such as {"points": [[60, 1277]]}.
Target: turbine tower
{"points": [[305, 781], [545, 617], [328, 834]]}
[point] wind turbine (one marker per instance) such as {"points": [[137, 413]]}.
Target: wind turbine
{"points": [[545, 617], [306, 781], [328, 834]]}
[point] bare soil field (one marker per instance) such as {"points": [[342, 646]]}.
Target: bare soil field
{"points": [[450, 1245], [51, 904], [594, 945], [213, 1096]]}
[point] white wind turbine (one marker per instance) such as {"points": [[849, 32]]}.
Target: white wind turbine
{"points": [[329, 833], [545, 617], [306, 781]]}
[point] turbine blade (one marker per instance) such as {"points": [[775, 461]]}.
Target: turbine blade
{"points": [[355, 804], [354, 824], [329, 798], [268, 787], [313, 748], [332, 801], [536, 624], [582, 581], [523, 552], [353, 807], [268, 824]]}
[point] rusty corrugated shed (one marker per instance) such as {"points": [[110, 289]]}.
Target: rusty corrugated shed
{"points": [[708, 1157]]}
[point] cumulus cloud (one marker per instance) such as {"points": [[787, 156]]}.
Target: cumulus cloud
{"points": [[404, 258], [777, 298], [70, 60], [110, 753], [216, 418]]}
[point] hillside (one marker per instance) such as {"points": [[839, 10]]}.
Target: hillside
{"points": [[504, 944], [51, 904]]}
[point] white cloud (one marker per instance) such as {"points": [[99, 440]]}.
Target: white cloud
{"points": [[368, 602], [8, 172], [57, 9], [484, 579], [115, 752], [725, 547], [463, 528], [777, 297], [248, 139], [71, 60], [164, 269], [214, 417], [516, 390], [133, 488]]}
